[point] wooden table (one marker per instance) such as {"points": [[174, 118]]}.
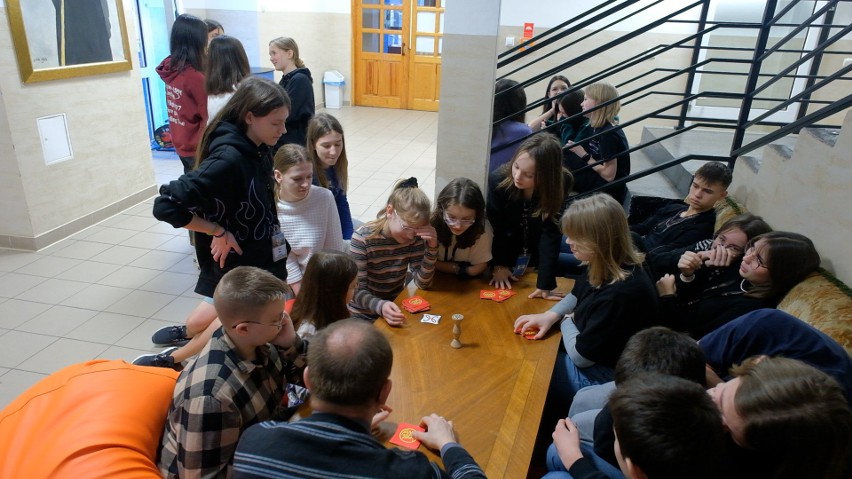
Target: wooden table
{"points": [[493, 388]]}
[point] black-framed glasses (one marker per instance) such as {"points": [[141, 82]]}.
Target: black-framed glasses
{"points": [[457, 222], [723, 242]]}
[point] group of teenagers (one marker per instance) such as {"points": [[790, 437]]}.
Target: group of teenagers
{"points": [[288, 280]]}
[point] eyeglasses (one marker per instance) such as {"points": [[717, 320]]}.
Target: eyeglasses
{"points": [[405, 227], [751, 252], [277, 324], [723, 242], [457, 222]]}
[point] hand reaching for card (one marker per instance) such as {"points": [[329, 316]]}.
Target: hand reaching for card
{"points": [[549, 295], [392, 314], [438, 433], [501, 276], [541, 321]]}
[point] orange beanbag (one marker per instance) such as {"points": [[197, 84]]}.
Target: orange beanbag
{"points": [[98, 419]]}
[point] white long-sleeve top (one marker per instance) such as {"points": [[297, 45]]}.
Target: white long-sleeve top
{"points": [[311, 224]]}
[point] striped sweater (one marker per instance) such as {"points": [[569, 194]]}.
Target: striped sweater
{"points": [[383, 266]]}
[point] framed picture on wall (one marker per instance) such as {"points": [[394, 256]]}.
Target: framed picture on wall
{"points": [[57, 39]]}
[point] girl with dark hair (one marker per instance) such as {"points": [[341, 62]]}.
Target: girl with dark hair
{"points": [[297, 80], [509, 103], [700, 300], [328, 285], [464, 235], [214, 29], [227, 65], [327, 149], [558, 84], [526, 197], [398, 243], [229, 198], [187, 98]]}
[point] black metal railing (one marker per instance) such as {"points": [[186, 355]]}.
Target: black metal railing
{"points": [[819, 99]]}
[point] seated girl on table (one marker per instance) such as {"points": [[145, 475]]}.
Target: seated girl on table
{"points": [[464, 235], [400, 240], [613, 299], [525, 199], [327, 287]]}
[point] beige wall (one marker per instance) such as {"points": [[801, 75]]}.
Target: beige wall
{"points": [[111, 169], [807, 192], [324, 39]]}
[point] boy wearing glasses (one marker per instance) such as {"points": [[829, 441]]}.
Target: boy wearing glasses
{"points": [[237, 380]]}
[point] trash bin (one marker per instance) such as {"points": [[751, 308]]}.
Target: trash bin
{"points": [[333, 81]]}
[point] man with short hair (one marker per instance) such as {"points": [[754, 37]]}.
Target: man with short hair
{"points": [[349, 365]]}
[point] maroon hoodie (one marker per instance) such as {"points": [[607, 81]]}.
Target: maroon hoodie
{"points": [[186, 99]]}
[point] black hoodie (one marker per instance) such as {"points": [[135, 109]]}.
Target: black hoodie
{"points": [[233, 187], [299, 85]]}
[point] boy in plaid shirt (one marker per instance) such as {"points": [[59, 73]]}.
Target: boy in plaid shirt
{"points": [[236, 381]]}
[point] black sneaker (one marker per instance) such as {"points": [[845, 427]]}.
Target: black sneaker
{"points": [[163, 359], [170, 336]]}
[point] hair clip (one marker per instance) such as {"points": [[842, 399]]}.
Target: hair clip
{"points": [[409, 183]]}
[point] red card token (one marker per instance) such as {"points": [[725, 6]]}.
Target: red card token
{"points": [[530, 333], [487, 294], [404, 435]]}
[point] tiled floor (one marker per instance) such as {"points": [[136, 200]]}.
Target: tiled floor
{"points": [[102, 292]]}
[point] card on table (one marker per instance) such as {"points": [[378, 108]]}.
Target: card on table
{"points": [[404, 435], [503, 294], [431, 319], [487, 294], [415, 304]]}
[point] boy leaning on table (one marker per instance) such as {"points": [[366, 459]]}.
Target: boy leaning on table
{"points": [[237, 380]]}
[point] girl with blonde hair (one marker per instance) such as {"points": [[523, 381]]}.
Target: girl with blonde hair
{"points": [[603, 145], [398, 242], [613, 299], [297, 81]]}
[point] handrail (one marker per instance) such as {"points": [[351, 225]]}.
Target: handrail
{"points": [[645, 85]]}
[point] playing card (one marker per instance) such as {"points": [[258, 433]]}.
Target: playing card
{"points": [[404, 436], [431, 319], [503, 294], [530, 333], [487, 294], [415, 304]]}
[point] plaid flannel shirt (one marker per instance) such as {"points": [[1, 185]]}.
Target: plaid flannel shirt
{"points": [[216, 398]]}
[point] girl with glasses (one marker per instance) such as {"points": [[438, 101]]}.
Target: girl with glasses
{"points": [[464, 235], [699, 300], [399, 242]]}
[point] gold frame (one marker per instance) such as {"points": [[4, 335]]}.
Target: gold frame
{"points": [[30, 74]]}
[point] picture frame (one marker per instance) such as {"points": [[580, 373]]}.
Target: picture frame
{"points": [[58, 39]]}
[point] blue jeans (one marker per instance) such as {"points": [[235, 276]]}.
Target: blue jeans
{"points": [[557, 469], [568, 378]]}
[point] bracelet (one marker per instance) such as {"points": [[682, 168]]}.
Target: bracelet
{"points": [[221, 234]]}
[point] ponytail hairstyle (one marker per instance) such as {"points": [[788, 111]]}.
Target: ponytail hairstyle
{"points": [[550, 187], [286, 157], [603, 92], [466, 193], [227, 65], [598, 224], [254, 95], [320, 125], [408, 201], [325, 284], [187, 43], [288, 44]]}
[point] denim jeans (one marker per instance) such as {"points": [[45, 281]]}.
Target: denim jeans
{"points": [[568, 378], [557, 469]]}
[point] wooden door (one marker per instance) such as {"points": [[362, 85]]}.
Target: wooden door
{"points": [[388, 72]]}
